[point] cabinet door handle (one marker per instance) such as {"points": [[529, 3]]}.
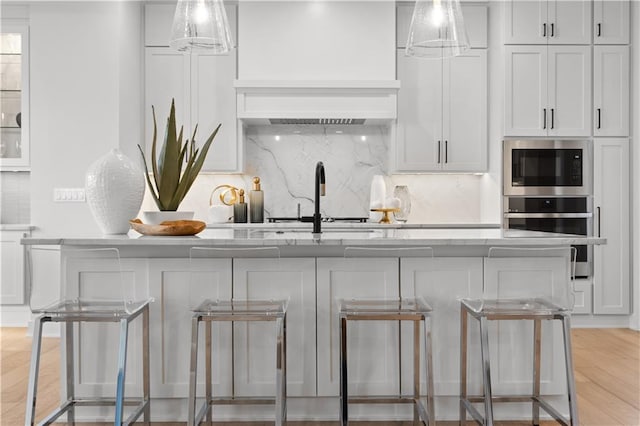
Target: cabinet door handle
{"points": [[598, 117], [599, 29], [544, 30], [551, 30], [438, 152], [544, 118], [446, 151], [599, 233], [552, 114]]}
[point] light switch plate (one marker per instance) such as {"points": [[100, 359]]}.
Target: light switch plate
{"points": [[69, 195]]}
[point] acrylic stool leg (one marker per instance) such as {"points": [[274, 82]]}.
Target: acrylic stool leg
{"points": [[486, 371], [463, 364], [122, 370], [571, 383], [537, 336], [193, 370], [33, 372]]}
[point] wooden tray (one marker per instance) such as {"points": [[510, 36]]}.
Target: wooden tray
{"points": [[169, 227]]}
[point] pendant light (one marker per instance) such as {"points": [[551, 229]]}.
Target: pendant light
{"points": [[201, 25], [437, 29]]}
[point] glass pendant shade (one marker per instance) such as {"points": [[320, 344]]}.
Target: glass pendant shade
{"points": [[437, 29], [201, 25]]}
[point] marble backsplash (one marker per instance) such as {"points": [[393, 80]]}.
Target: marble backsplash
{"points": [[284, 157]]}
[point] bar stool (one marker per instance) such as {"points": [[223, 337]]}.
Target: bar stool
{"points": [[70, 305], [397, 309], [520, 300], [209, 311]]}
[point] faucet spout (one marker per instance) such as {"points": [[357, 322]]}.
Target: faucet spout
{"points": [[320, 190]]}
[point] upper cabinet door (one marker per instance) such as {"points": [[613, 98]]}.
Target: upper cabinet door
{"points": [[464, 111], [166, 78], [525, 22], [213, 99], [475, 22], [610, 22], [611, 90], [526, 112], [569, 22], [419, 142], [14, 97], [569, 90]]}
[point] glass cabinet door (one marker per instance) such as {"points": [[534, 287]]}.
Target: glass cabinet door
{"points": [[14, 97]]}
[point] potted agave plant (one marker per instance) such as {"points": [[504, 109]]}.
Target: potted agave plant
{"points": [[174, 170]]}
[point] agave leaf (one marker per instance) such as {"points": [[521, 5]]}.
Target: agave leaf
{"points": [[183, 187], [170, 173], [183, 152], [154, 167], [179, 159], [146, 175], [161, 158]]}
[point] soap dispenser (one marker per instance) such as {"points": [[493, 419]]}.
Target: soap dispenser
{"points": [[256, 202], [240, 209]]}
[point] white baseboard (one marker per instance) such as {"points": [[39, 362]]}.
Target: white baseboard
{"points": [[600, 321], [15, 316]]}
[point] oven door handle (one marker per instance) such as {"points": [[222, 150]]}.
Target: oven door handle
{"points": [[548, 215]]}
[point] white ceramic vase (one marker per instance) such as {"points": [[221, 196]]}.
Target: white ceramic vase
{"points": [[114, 188]]}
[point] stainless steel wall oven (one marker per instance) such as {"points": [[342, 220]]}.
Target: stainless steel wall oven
{"points": [[567, 215]]}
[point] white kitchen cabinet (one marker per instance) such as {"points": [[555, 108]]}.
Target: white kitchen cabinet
{"points": [[202, 86], [442, 113], [611, 90], [15, 148], [611, 21], [442, 282], [475, 22], [548, 91], [12, 274], [177, 290], [96, 343], [373, 345], [583, 295], [511, 342], [254, 343], [611, 284], [547, 22]]}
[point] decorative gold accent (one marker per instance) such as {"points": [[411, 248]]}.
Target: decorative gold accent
{"points": [[256, 183], [385, 213], [230, 190]]}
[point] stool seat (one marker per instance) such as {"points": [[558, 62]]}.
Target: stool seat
{"points": [[512, 307], [87, 310], [236, 308], [383, 307]]}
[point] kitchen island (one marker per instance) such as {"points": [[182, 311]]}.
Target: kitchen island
{"points": [[313, 273]]}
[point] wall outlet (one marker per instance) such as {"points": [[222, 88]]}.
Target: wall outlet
{"points": [[69, 195]]}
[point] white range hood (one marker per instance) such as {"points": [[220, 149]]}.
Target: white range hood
{"points": [[325, 102]]}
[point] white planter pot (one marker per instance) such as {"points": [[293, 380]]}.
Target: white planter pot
{"points": [[114, 188]]}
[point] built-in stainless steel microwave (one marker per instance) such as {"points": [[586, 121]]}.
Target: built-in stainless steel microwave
{"points": [[547, 167]]}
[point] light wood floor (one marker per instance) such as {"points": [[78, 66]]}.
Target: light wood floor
{"points": [[607, 367]]}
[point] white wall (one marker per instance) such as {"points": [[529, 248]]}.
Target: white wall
{"points": [[85, 100]]}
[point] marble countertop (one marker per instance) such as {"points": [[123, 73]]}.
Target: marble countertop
{"points": [[329, 237], [16, 227]]}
